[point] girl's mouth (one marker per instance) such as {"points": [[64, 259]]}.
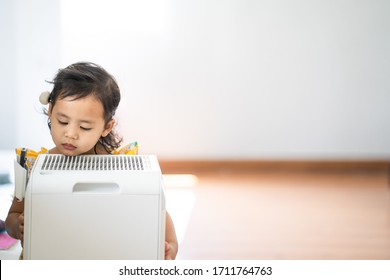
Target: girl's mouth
{"points": [[68, 147]]}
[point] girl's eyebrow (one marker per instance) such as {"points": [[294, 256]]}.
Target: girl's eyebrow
{"points": [[61, 115]]}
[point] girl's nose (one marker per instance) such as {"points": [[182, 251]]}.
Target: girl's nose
{"points": [[71, 133]]}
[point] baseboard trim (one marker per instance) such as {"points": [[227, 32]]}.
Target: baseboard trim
{"points": [[191, 166]]}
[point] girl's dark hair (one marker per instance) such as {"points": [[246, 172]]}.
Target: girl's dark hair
{"points": [[81, 79]]}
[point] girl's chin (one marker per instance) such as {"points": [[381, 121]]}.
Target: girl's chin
{"points": [[73, 152], [69, 152], [76, 153]]}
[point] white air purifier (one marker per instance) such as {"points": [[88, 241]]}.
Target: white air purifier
{"points": [[95, 207]]}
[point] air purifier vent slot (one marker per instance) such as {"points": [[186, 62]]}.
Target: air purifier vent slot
{"points": [[96, 163]]}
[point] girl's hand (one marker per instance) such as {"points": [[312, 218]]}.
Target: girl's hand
{"points": [[169, 254], [21, 227]]}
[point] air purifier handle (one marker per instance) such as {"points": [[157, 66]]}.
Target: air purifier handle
{"points": [[96, 187]]}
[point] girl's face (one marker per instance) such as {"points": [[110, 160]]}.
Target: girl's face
{"points": [[77, 125]]}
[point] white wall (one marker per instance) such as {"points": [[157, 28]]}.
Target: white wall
{"points": [[7, 75], [232, 78], [32, 52]]}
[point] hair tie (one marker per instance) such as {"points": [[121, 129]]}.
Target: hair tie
{"points": [[44, 97]]}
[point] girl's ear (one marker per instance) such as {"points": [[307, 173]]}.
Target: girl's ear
{"points": [[109, 126]]}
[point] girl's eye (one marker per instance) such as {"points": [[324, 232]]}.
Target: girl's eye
{"points": [[85, 128], [63, 123]]}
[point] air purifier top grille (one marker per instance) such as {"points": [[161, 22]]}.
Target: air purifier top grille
{"points": [[96, 163]]}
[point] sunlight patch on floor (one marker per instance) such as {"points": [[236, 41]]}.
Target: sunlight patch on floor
{"points": [[180, 200]]}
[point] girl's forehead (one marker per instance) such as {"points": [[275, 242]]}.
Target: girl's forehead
{"points": [[88, 107], [72, 97]]}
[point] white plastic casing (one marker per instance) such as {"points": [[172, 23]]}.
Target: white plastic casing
{"points": [[95, 207]]}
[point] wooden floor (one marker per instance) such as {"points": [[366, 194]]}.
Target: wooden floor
{"points": [[288, 215]]}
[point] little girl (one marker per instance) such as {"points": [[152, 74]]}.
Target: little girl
{"points": [[81, 113]]}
